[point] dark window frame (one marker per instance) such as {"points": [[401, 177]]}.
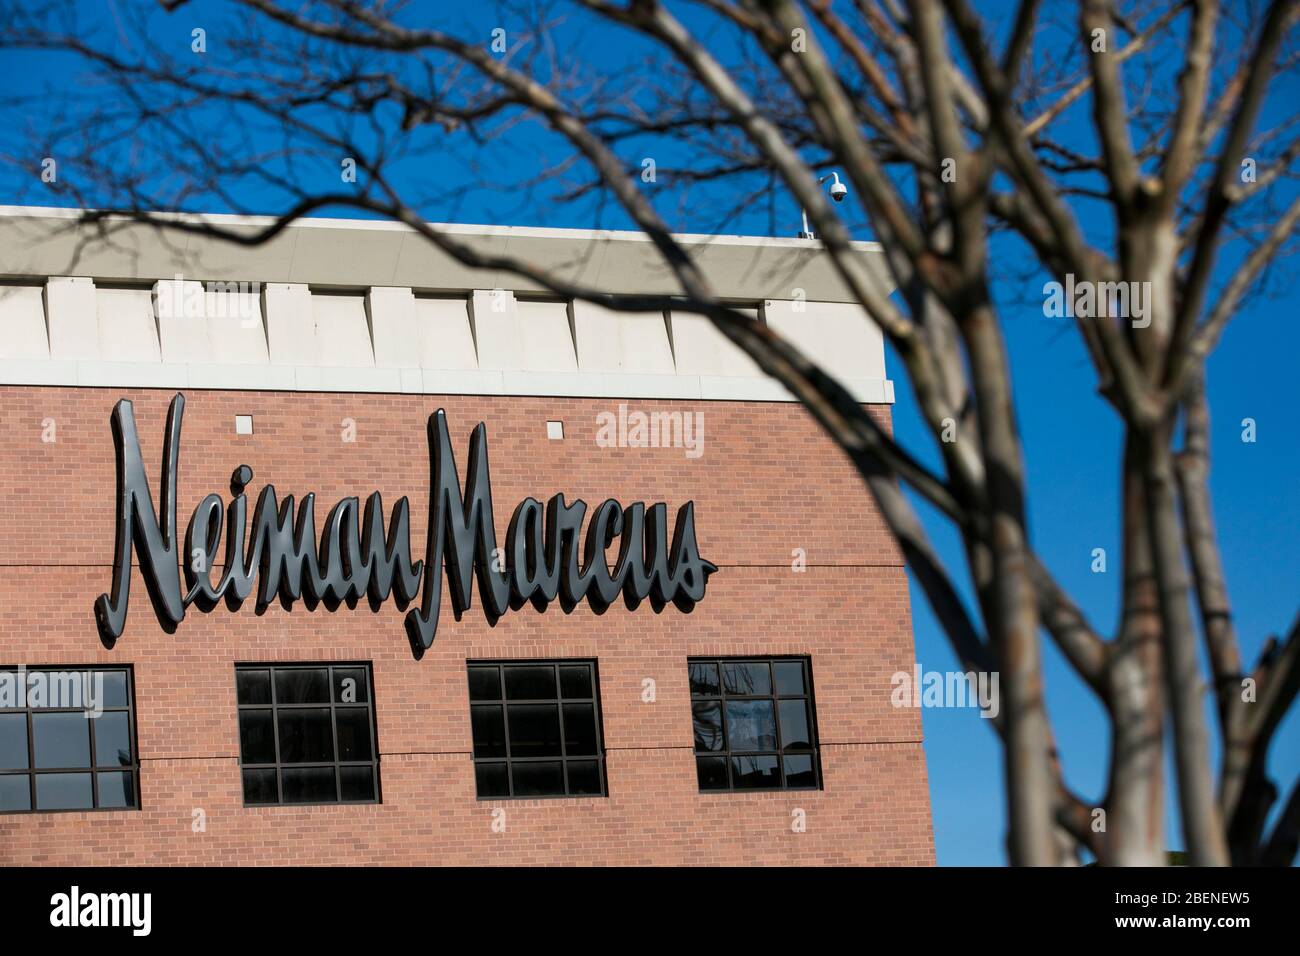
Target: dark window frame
{"points": [[274, 707], [775, 696], [559, 701], [93, 769]]}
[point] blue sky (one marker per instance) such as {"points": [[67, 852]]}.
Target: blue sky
{"points": [[1071, 437], [1072, 445]]}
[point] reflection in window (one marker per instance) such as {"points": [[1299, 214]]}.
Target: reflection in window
{"points": [[306, 734], [67, 740], [754, 724], [536, 729]]}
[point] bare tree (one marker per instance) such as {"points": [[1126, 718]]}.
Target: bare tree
{"points": [[1168, 202]]}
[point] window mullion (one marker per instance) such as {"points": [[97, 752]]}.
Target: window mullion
{"points": [[31, 753], [94, 762], [275, 736]]}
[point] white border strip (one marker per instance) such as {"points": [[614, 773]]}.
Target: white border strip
{"points": [[459, 229], [415, 381]]}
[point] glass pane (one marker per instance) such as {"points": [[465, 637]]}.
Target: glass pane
{"points": [[584, 777], [799, 771], [579, 730], [302, 685], [13, 741], [530, 682], [305, 736], [794, 726], [112, 739], [491, 780], [15, 792], [63, 791], [253, 687], [37, 692], [115, 790], [350, 685], [789, 677], [544, 779], [712, 772], [534, 730], [704, 679], [489, 727], [309, 785], [51, 689], [12, 690], [751, 725], [114, 688], [61, 740], [484, 683], [353, 725], [259, 787], [746, 677], [755, 773], [256, 739], [575, 681], [707, 718], [357, 783]]}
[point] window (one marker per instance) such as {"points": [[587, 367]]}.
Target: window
{"points": [[536, 728], [755, 726], [307, 733], [67, 740]]}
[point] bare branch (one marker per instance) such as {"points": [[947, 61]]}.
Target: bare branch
{"points": [[1181, 157], [1109, 110], [1129, 50], [1207, 334], [1281, 14]]}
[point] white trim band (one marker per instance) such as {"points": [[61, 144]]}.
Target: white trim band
{"points": [[414, 381]]}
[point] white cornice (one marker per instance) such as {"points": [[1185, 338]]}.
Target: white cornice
{"points": [[340, 305], [38, 242]]}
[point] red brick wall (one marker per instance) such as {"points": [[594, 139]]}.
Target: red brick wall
{"points": [[767, 483]]}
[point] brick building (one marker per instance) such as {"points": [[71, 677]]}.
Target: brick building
{"points": [[747, 724]]}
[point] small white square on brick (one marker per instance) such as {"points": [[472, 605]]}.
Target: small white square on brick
{"points": [[555, 431], [243, 424]]}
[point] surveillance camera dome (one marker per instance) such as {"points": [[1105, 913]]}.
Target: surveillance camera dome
{"points": [[839, 191]]}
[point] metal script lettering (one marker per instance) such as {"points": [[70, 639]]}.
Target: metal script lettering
{"points": [[545, 557]]}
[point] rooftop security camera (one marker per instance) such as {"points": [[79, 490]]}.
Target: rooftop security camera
{"points": [[838, 190]]}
